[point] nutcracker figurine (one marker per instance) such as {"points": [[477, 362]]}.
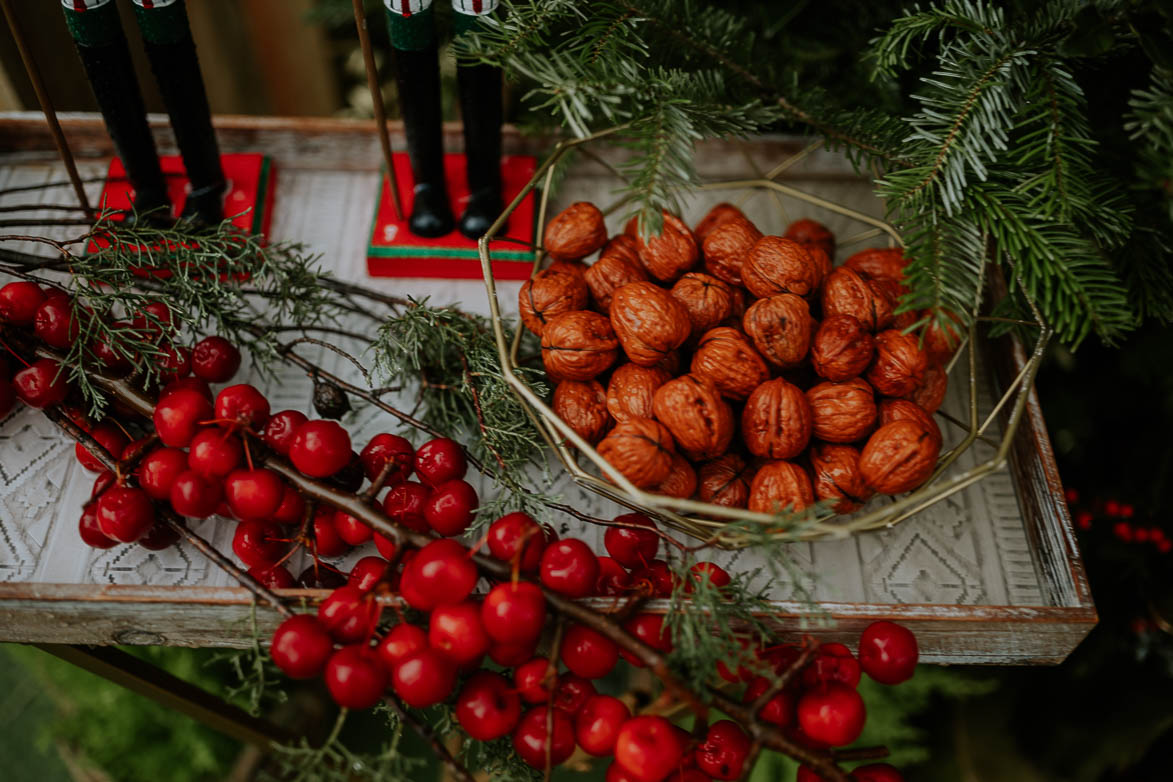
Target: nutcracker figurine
{"points": [[414, 47], [105, 54]]}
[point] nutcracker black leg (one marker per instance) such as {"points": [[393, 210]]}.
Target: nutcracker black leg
{"points": [[171, 50], [481, 112], [105, 55], [415, 55]]}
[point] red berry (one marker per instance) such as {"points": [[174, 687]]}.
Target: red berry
{"points": [[571, 692], [19, 302], [632, 547], [613, 579], [55, 323], [178, 416], [194, 495], [588, 653], [350, 529], [280, 429], [110, 437], [154, 320], [349, 614], [450, 508], [779, 710], [596, 726], [510, 655], [570, 568], [215, 360], [201, 387], [214, 453], [486, 707], [440, 573], [424, 678], [243, 405], [125, 514], [160, 536], [405, 505], [457, 631], [514, 612], [385, 546], [832, 663], [41, 384], [253, 494], [175, 362], [888, 652], [401, 642], [256, 543], [648, 748], [110, 352], [91, 534], [273, 576], [657, 579], [388, 448], [367, 572], [439, 461], [355, 677], [104, 481], [650, 629], [301, 647], [534, 680], [320, 448], [317, 577], [708, 571], [530, 739], [513, 532], [832, 714], [723, 753], [806, 775], [327, 541], [292, 507], [877, 772]]}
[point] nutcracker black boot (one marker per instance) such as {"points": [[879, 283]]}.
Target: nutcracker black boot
{"points": [[480, 109]]}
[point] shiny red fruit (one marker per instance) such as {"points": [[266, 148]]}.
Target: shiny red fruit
{"points": [[510, 655], [55, 323], [457, 631], [486, 707], [534, 680], [215, 359], [320, 448], [109, 437], [530, 739], [256, 543], [451, 507], [630, 546], [273, 576], [327, 541], [516, 532], [355, 677], [569, 567], [710, 572], [301, 647], [41, 384], [648, 748], [91, 534], [588, 653], [877, 772], [723, 753], [888, 652], [253, 494], [615, 773], [424, 678], [613, 579], [19, 302], [571, 692], [193, 495], [280, 429], [201, 387], [401, 642], [125, 514], [779, 710], [657, 579], [153, 321], [349, 614], [440, 573], [832, 663], [242, 405], [388, 448], [384, 545], [367, 572], [597, 724], [292, 507], [175, 362], [160, 536], [351, 530], [214, 453], [832, 714], [514, 613], [179, 415], [109, 352], [650, 629], [440, 460], [405, 505]]}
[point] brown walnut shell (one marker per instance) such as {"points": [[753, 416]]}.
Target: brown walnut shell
{"points": [[629, 394], [776, 421], [726, 248], [822, 262], [707, 299], [837, 477], [725, 481], [931, 391], [701, 421], [551, 292], [780, 328], [842, 412], [813, 234], [725, 358], [624, 246], [717, 216], [907, 410], [670, 254], [578, 345], [641, 449], [575, 232], [842, 348], [899, 457], [649, 322], [942, 338], [846, 293], [879, 263], [583, 406], [779, 486], [776, 265], [900, 363], [609, 274], [892, 291], [681, 480]]}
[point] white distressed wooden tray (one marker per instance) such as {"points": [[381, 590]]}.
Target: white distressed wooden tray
{"points": [[991, 575]]}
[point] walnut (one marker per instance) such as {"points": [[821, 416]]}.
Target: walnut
{"points": [[725, 481], [575, 232], [842, 348], [942, 338], [629, 394], [842, 412], [641, 449], [899, 457], [780, 328], [907, 410], [779, 486], [725, 358], [812, 234], [726, 247], [776, 421], [879, 263], [648, 321], [900, 363], [624, 246], [893, 291], [707, 299], [846, 293], [821, 260], [578, 345], [670, 363], [681, 480], [551, 292], [574, 268], [583, 406], [837, 477], [701, 421], [719, 215], [931, 391], [777, 265], [670, 254], [610, 273]]}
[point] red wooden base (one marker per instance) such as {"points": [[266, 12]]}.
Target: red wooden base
{"points": [[396, 252]]}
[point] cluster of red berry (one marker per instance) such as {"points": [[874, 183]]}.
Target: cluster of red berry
{"points": [[1121, 515]]}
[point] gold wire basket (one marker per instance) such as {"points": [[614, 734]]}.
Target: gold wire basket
{"points": [[708, 522]]}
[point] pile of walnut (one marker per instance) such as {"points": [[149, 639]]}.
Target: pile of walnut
{"points": [[765, 381]]}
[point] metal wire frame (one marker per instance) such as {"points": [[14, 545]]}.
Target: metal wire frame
{"points": [[705, 521]]}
